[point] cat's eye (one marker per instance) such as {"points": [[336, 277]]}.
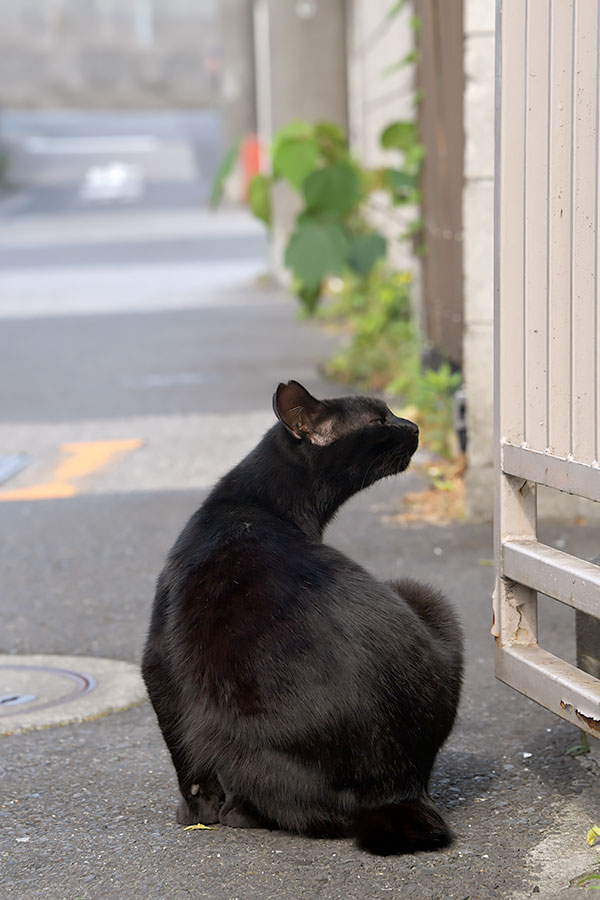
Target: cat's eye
{"points": [[380, 420]]}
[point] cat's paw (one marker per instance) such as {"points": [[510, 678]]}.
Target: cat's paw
{"points": [[236, 817], [192, 810], [185, 815]]}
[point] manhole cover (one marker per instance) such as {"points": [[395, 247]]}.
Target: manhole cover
{"points": [[37, 691], [54, 686], [14, 699]]}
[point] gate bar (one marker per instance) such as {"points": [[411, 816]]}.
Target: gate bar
{"points": [[553, 471], [573, 581], [560, 687]]}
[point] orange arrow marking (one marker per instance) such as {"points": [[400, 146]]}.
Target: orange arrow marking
{"points": [[83, 458]]}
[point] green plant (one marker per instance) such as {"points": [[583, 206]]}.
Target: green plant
{"points": [[332, 234], [225, 169], [376, 313], [383, 352], [580, 748], [432, 394], [591, 882]]}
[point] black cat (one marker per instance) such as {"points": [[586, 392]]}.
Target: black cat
{"points": [[294, 690]]}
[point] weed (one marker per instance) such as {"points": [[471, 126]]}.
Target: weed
{"points": [[383, 351]]}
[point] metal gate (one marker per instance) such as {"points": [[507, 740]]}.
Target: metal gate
{"points": [[547, 325]]}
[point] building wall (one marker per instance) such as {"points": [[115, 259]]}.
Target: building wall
{"points": [[375, 99], [108, 53], [300, 74], [238, 84], [478, 251]]}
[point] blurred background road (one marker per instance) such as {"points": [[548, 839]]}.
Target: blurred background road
{"points": [[113, 193], [121, 305], [134, 335]]}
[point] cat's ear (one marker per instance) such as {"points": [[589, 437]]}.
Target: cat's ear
{"points": [[301, 413]]}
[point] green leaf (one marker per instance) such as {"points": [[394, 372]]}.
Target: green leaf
{"points": [[295, 128], [331, 132], [579, 749], [400, 181], [309, 297], [333, 188], [365, 250], [315, 250], [408, 59], [332, 141], [225, 169], [259, 197], [413, 157], [585, 880], [294, 158], [395, 9], [400, 136]]}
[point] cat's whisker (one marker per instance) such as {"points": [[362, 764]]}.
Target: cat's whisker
{"points": [[374, 462]]}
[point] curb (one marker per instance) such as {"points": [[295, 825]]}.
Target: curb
{"points": [[43, 691]]}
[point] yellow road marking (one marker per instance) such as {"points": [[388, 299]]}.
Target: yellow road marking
{"points": [[83, 458]]}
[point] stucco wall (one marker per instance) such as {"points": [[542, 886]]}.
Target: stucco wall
{"points": [[300, 74], [375, 99], [478, 251]]}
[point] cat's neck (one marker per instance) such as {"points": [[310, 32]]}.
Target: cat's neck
{"points": [[278, 478]]}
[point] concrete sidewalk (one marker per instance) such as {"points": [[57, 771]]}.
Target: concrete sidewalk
{"points": [[87, 809]]}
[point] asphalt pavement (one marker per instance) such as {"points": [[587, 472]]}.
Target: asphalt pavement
{"points": [[114, 330]]}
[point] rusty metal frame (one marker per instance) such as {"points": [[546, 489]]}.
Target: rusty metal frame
{"points": [[538, 279]]}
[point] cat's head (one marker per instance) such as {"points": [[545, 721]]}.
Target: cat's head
{"points": [[358, 438]]}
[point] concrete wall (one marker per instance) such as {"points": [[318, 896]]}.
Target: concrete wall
{"points": [[376, 99], [108, 53], [238, 87], [478, 251], [300, 52]]}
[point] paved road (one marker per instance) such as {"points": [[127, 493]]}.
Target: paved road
{"points": [[178, 152], [178, 354]]}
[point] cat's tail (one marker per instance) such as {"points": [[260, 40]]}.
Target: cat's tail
{"points": [[401, 828]]}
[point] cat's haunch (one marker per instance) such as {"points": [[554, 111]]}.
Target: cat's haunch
{"points": [[292, 688]]}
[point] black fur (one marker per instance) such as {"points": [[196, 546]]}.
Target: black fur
{"points": [[294, 690]]}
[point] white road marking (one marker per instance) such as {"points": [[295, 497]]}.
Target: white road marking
{"points": [[73, 146], [89, 290], [88, 228]]}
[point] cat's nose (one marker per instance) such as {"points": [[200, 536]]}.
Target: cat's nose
{"points": [[406, 423]]}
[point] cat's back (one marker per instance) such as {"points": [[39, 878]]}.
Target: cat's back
{"points": [[241, 581], [255, 611], [234, 572], [243, 600]]}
